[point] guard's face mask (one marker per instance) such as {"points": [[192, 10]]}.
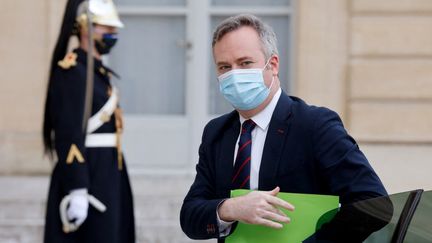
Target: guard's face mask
{"points": [[104, 45]]}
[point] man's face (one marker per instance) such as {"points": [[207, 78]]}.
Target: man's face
{"points": [[100, 30], [242, 49]]}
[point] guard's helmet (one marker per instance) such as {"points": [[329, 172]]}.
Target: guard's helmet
{"points": [[102, 12]]}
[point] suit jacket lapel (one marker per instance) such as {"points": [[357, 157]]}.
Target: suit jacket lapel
{"points": [[276, 136], [226, 155]]}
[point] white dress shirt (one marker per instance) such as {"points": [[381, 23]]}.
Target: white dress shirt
{"points": [[259, 134]]}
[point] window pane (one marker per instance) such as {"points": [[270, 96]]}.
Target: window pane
{"points": [[386, 233], [251, 2], [151, 64], [151, 2], [281, 26], [420, 229]]}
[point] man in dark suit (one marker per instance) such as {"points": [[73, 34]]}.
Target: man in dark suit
{"points": [[271, 142]]}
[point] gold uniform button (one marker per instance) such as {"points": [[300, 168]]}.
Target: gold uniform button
{"points": [[105, 117], [102, 70]]}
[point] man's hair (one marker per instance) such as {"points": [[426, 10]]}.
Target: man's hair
{"points": [[265, 32]]}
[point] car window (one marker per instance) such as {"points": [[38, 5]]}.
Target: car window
{"points": [[420, 229], [385, 234], [375, 221], [357, 221]]}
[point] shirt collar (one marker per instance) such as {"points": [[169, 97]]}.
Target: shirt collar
{"points": [[262, 119]]}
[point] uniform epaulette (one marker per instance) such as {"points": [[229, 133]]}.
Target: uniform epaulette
{"points": [[68, 61]]}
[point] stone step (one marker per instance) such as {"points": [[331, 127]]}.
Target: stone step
{"points": [[21, 233], [157, 205], [157, 208], [145, 234]]}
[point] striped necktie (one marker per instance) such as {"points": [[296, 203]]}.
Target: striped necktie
{"points": [[241, 175]]}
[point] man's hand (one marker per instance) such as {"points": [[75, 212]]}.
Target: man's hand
{"points": [[78, 206], [256, 208]]}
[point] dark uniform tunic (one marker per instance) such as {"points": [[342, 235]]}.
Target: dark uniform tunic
{"points": [[96, 169]]}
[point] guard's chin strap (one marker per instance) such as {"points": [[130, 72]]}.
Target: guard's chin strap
{"points": [[70, 226]]}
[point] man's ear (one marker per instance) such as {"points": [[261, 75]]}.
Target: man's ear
{"points": [[274, 62]]}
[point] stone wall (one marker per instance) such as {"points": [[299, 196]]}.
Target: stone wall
{"points": [[29, 30], [372, 62]]}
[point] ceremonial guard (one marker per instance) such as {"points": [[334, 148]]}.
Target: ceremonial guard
{"points": [[90, 198]]}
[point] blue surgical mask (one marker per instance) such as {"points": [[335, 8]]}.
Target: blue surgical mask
{"points": [[244, 88]]}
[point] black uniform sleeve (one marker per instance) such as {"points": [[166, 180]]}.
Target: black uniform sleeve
{"points": [[68, 108]]}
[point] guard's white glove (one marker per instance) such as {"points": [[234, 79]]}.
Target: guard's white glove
{"points": [[78, 206]]}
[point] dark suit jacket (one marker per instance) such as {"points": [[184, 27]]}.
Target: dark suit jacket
{"points": [[307, 150]]}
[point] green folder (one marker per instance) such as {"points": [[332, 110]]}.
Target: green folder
{"points": [[311, 211]]}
